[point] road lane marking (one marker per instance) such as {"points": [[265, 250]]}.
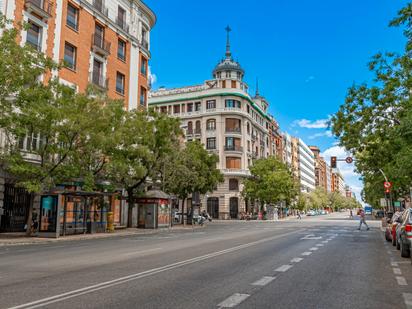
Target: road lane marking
{"points": [[397, 271], [408, 300], [311, 237], [307, 253], [104, 285], [296, 260], [401, 280], [264, 281], [142, 252], [233, 300], [314, 249], [395, 264], [325, 241], [283, 268], [320, 245]]}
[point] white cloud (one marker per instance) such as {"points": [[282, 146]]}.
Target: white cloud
{"points": [[152, 77], [323, 134], [308, 124], [309, 79]]}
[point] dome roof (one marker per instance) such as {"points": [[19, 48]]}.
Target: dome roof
{"points": [[228, 64]]}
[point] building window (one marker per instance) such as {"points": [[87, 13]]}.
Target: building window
{"points": [[143, 66], [121, 50], [239, 76], [233, 163], [248, 109], [70, 53], [120, 83], [198, 106], [143, 96], [232, 103], [219, 75], [227, 74], [233, 84], [233, 125], [34, 36], [210, 104], [189, 107], [211, 125], [163, 109], [248, 128], [211, 143], [190, 127], [121, 18], [198, 129], [176, 109], [223, 84], [72, 19], [233, 185]]}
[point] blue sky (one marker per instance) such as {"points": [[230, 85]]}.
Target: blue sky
{"points": [[306, 53]]}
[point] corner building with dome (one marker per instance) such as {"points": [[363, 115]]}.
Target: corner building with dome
{"points": [[230, 123]]}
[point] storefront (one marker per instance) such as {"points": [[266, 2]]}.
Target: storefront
{"points": [[154, 210]]}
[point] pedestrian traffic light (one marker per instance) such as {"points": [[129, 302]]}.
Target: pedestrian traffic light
{"points": [[333, 162]]}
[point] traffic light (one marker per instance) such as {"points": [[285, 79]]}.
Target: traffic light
{"points": [[333, 162]]}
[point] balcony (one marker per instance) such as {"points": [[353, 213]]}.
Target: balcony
{"points": [[100, 45], [234, 130], [145, 44], [236, 172], [40, 8], [233, 148], [100, 7], [122, 24], [99, 80]]}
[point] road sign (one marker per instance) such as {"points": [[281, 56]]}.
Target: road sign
{"points": [[349, 160], [387, 185]]}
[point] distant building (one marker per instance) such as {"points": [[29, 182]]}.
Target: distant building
{"points": [[306, 167], [320, 169]]}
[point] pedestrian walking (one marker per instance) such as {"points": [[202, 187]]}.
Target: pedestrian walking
{"points": [[351, 214], [362, 220], [299, 216]]}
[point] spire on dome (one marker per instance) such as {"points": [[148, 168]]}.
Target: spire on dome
{"points": [[228, 53], [257, 87]]}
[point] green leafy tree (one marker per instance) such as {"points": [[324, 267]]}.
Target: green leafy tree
{"points": [[191, 169], [319, 198], [271, 182], [374, 122], [142, 142]]}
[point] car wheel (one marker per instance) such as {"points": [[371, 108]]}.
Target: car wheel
{"points": [[387, 236], [398, 245], [404, 250], [393, 241]]}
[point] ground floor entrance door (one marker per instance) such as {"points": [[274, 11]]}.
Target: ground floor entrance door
{"points": [[213, 207], [234, 207], [16, 209]]}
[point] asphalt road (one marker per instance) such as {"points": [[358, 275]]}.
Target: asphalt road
{"points": [[320, 262]]}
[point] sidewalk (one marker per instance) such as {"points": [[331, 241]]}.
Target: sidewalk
{"points": [[15, 239]]}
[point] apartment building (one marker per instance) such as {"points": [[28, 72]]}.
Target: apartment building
{"points": [[306, 160], [338, 182], [320, 169], [223, 116], [102, 43]]}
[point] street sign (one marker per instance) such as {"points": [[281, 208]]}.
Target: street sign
{"points": [[387, 185], [349, 160]]}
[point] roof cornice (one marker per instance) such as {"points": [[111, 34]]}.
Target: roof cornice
{"points": [[152, 16]]}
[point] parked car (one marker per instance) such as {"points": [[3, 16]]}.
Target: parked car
{"points": [[311, 213], [390, 231], [404, 233]]}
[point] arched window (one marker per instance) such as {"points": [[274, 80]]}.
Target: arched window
{"points": [[197, 127], [211, 125], [190, 127]]}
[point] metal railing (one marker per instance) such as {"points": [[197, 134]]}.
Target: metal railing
{"points": [[233, 130], [121, 22], [99, 42], [100, 7], [99, 80], [233, 148], [42, 5]]}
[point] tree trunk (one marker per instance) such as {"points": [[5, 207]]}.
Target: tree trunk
{"points": [[30, 214], [184, 215], [130, 201]]}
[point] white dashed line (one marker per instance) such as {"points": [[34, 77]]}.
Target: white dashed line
{"points": [[263, 281], [307, 253], [394, 264], [397, 271], [283, 268], [325, 241], [320, 245], [407, 297], [296, 260], [233, 300], [401, 281], [314, 249]]}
